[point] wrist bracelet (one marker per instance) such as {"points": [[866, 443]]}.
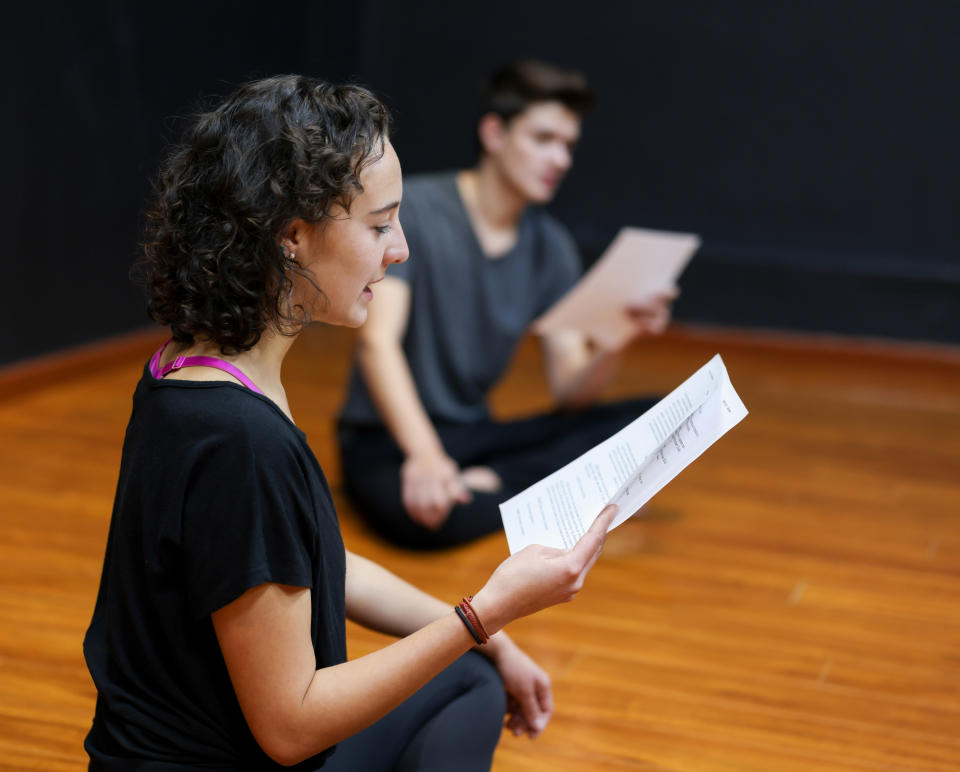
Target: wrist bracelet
{"points": [[474, 617], [469, 626], [471, 615]]}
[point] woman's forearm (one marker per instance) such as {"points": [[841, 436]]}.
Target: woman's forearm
{"points": [[407, 609], [382, 601], [346, 698]]}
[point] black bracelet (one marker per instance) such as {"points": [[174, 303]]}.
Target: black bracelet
{"points": [[463, 618]]}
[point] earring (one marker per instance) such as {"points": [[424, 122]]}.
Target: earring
{"points": [[289, 272]]}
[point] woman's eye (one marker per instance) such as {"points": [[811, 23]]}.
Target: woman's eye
{"points": [[382, 228]]}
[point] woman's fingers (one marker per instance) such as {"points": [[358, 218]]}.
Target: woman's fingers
{"points": [[590, 544], [533, 715], [587, 550], [538, 576], [589, 566], [545, 699], [533, 710], [517, 725]]}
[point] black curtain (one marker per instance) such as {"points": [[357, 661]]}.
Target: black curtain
{"points": [[812, 144]]}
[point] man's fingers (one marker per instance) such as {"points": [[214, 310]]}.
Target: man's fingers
{"points": [[458, 492], [437, 513], [413, 504], [653, 304]]}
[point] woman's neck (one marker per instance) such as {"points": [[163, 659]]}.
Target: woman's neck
{"points": [[262, 364]]}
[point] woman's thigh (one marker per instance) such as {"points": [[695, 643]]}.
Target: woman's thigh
{"points": [[453, 722]]}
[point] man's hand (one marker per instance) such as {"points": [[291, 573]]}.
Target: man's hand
{"points": [[431, 486], [651, 314]]}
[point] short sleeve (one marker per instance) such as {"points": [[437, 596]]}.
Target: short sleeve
{"points": [[248, 519], [563, 264]]}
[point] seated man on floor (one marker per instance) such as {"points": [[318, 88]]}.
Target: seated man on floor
{"points": [[423, 460]]}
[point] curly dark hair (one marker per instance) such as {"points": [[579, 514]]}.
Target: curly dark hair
{"points": [[275, 150]]}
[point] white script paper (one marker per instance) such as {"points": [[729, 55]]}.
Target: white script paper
{"points": [[638, 263], [630, 467]]}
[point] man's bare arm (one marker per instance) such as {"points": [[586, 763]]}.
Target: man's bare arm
{"points": [[430, 478]]}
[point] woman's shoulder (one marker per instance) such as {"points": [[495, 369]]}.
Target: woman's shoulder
{"points": [[219, 410]]}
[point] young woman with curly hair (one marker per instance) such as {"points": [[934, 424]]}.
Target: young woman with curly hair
{"points": [[218, 637]]}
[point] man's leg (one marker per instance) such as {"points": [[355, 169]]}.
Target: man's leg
{"points": [[519, 452], [523, 452], [371, 464]]}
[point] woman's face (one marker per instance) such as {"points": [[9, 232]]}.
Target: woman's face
{"points": [[350, 251]]}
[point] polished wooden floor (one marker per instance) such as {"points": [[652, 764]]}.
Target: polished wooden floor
{"points": [[790, 602]]}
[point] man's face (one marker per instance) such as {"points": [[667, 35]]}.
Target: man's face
{"points": [[535, 150]]}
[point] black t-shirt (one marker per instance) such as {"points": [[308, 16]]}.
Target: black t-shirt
{"points": [[218, 493]]}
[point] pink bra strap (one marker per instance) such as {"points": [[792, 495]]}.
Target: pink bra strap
{"points": [[157, 372], [155, 360]]}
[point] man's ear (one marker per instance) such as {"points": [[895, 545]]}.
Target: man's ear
{"points": [[492, 131]]}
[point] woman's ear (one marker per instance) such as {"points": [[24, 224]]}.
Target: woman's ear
{"points": [[491, 130], [293, 237]]}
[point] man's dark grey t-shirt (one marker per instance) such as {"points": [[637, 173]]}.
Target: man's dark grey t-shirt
{"points": [[467, 311]]}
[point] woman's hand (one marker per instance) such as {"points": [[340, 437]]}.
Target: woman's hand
{"points": [[529, 694], [537, 577]]}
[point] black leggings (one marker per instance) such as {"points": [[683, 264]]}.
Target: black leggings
{"points": [[452, 723], [520, 452]]}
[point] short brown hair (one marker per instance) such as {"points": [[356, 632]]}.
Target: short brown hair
{"points": [[517, 85]]}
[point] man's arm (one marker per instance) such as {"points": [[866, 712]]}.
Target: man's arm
{"points": [[430, 479], [578, 370]]}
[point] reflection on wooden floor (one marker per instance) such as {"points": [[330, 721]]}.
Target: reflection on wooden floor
{"points": [[790, 602]]}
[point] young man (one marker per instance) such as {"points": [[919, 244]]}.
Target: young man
{"points": [[422, 459]]}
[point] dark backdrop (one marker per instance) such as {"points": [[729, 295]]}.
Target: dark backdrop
{"points": [[812, 144]]}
